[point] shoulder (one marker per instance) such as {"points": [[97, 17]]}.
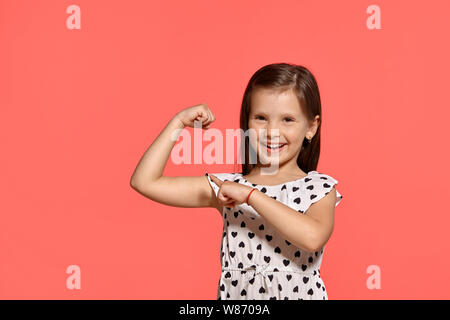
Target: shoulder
{"points": [[319, 184], [320, 177]]}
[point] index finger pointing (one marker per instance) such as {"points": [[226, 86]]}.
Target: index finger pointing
{"points": [[216, 180]]}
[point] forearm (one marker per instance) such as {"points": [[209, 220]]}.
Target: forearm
{"points": [[152, 164], [297, 228]]}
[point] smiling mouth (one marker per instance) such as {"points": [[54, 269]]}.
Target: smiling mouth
{"points": [[274, 148]]}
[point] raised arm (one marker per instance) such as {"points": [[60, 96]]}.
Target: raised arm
{"points": [[182, 191]]}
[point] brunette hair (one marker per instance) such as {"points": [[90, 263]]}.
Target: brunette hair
{"points": [[284, 76]]}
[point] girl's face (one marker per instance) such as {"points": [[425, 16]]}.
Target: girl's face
{"points": [[271, 109]]}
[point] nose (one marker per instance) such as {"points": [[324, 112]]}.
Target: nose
{"points": [[273, 131]]}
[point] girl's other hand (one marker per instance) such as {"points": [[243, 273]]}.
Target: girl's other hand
{"points": [[230, 193], [200, 112]]}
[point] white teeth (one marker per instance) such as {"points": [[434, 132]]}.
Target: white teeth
{"points": [[274, 146]]}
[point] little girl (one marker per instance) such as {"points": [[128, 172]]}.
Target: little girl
{"points": [[276, 221]]}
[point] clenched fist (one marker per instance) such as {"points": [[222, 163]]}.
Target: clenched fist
{"points": [[200, 112]]}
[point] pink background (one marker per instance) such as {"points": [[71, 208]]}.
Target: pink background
{"points": [[79, 107]]}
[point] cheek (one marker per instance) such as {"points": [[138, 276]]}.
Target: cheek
{"points": [[293, 135], [257, 131], [295, 141]]}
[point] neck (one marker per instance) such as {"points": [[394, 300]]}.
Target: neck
{"points": [[285, 169]]}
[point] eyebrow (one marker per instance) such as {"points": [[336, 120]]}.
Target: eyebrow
{"points": [[284, 114]]}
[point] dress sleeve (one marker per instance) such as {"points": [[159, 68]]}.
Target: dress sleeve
{"points": [[319, 186], [221, 176]]}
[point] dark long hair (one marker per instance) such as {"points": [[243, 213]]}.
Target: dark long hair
{"points": [[283, 76]]}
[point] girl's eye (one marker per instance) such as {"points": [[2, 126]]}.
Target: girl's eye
{"points": [[262, 118]]}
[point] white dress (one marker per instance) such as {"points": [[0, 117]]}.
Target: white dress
{"points": [[257, 262]]}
